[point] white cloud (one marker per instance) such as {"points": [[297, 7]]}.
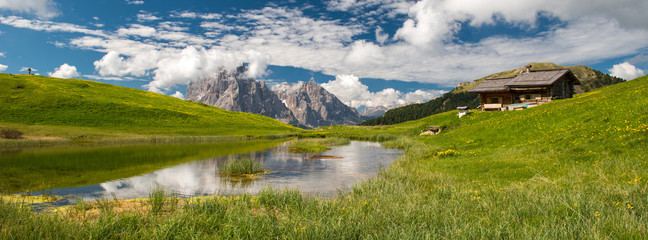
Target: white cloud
{"points": [[341, 5], [188, 14], [3, 67], [40, 8], [146, 17], [64, 71], [184, 14], [112, 64], [364, 53], [137, 30], [429, 27], [381, 37], [172, 26], [626, 71], [179, 67], [135, 2], [257, 63], [178, 94], [434, 21], [2, 54], [352, 92], [48, 26], [420, 96]]}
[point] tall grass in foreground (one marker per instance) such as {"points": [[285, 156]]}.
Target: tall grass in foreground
{"points": [[241, 166]]}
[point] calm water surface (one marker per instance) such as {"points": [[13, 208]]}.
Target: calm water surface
{"points": [[323, 176]]}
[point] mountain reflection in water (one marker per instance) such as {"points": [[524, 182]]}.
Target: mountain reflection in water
{"points": [[359, 161]]}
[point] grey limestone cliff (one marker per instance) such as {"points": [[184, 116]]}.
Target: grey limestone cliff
{"points": [[313, 106], [233, 91], [303, 103]]}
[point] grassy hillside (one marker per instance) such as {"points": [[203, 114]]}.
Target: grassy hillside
{"points": [[42, 106], [571, 169], [574, 168], [590, 79]]}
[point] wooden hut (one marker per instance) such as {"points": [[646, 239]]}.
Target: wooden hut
{"points": [[527, 89]]}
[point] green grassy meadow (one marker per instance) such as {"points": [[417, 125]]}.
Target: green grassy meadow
{"points": [[44, 106], [574, 168]]}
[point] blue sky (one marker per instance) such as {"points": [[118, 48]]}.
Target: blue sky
{"points": [[368, 52]]}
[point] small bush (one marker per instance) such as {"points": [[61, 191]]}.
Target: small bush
{"points": [[10, 133], [242, 166]]}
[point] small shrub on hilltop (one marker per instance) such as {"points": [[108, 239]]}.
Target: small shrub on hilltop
{"points": [[10, 133]]}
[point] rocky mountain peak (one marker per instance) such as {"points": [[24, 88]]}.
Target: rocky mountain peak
{"points": [[314, 106], [304, 103], [234, 91]]}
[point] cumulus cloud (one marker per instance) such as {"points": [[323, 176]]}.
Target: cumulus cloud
{"points": [[114, 64], [3, 67], [419, 96], [64, 71], [178, 94], [2, 54], [352, 92], [435, 21], [626, 71], [257, 63], [40, 8], [428, 27], [135, 2], [179, 67], [364, 53]]}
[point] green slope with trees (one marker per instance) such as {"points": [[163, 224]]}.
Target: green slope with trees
{"points": [[591, 79]]}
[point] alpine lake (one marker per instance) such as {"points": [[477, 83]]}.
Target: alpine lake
{"points": [[185, 170]]}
